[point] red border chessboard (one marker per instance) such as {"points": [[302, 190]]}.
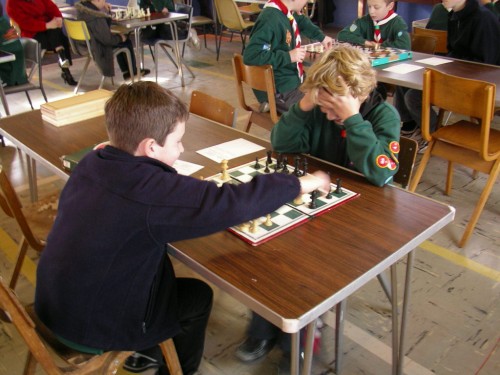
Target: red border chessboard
{"points": [[287, 217]]}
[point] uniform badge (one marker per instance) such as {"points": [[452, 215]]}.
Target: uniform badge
{"points": [[382, 161], [288, 39], [394, 146]]}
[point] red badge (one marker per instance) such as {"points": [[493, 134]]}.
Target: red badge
{"points": [[382, 161], [394, 147], [392, 165]]}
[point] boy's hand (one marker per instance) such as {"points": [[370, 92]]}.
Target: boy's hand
{"points": [[342, 106], [327, 43], [370, 44], [307, 102], [11, 34], [164, 10], [317, 180], [297, 54]]}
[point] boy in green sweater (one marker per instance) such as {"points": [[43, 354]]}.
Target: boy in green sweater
{"points": [[276, 40], [380, 27], [342, 119]]}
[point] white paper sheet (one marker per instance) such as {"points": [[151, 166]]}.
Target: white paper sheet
{"points": [[403, 68], [186, 168], [434, 61], [230, 150]]}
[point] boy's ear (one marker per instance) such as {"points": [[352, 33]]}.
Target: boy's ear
{"points": [[146, 148], [391, 5]]}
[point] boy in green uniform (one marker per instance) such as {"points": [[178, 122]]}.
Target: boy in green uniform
{"points": [[380, 27], [343, 119], [276, 40]]}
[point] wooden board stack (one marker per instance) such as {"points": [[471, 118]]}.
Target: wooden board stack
{"points": [[76, 108]]}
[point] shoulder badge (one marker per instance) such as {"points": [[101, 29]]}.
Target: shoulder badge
{"points": [[353, 28]]}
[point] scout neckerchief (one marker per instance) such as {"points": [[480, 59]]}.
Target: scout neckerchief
{"points": [[282, 7], [377, 37]]}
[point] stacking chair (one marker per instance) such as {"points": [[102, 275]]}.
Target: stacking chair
{"points": [[33, 58], [474, 145], [54, 357], [250, 10], [423, 43], [203, 21], [166, 45], [441, 37], [212, 108], [78, 34], [229, 17], [10, 204], [258, 78]]}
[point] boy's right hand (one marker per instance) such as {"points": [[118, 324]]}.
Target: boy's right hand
{"points": [[297, 54], [318, 180]]}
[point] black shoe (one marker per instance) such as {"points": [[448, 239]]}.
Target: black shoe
{"points": [[145, 72], [63, 61], [408, 128], [138, 363], [252, 349], [67, 77]]}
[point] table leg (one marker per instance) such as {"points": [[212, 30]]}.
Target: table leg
{"points": [[311, 328], [178, 56], [139, 56], [339, 334], [406, 301], [395, 320], [31, 166], [294, 354]]}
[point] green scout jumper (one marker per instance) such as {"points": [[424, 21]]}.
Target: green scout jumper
{"points": [[371, 137], [394, 33], [268, 45], [12, 73]]}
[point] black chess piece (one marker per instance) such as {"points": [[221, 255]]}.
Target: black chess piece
{"points": [[257, 165], [279, 161], [304, 167], [267, 170], [297, 171], [314, 195], [330, 191], [269, 158], [285, 166], [338, 190]]}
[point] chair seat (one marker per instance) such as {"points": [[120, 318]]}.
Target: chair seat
{"points": [[466, 136], [201, 20]]}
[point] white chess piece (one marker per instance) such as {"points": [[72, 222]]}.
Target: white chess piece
{"points": [[148, 12]]}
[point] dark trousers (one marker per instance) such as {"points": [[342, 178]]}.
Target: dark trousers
{"points": [[261, 329], [122, 58], [194, 304], [51, 39]]}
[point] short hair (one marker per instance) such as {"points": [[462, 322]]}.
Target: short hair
{"points": [[142, 110], [340, 70]]}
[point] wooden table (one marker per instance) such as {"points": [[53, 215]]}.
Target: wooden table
{"points": [[461, 68], [136, 24], [296, 277]]}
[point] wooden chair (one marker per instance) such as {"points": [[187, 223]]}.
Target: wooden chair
{"points": [[474, 145], [258, 78], [33, 59], [213, 108], [78, 32], [441, 37], [230, 18], [408, 149], [11, 205], [46, 350], [423, 43]]}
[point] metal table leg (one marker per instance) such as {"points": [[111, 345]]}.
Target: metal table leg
{"points": [[395, 320]]}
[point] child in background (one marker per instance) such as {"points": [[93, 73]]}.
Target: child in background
{"points": [[276, 40], [380, 27], [14, 72], [344, 120], [104, 280], [96, 15]]}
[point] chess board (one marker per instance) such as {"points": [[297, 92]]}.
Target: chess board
{"points": [[288, 216], [386, 55]]}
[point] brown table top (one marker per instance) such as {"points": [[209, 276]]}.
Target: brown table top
{"points": [[461, 68], [297, 276]]}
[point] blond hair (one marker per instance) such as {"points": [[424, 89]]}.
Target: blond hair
{"points": [[340, 70]]}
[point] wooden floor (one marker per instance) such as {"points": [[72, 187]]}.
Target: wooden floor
{"points": [[454, 323]]}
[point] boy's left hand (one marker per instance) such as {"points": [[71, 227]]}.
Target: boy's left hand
{"points": [[343, 106]]}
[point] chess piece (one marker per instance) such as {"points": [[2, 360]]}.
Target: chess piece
{"points": [[314, 196], [285, 166], [224, 175], [269, 158], [257, 165], [267, 170], [304, 167], [338, 190], [245, 227], [298, 201], [253, 226], [148, 12], [296, 160], [279, 161], [268, 222]]}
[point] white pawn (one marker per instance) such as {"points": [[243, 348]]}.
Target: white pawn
{"points": [[148, 12]]}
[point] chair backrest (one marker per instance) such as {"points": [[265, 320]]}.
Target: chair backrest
{"points": [[185, 9], [423, 43], [77, 31], [472, 98], [212, 108], [258, 78], [408, 149], [440, 35], [229, 15], [11, 205], [32, 57]]}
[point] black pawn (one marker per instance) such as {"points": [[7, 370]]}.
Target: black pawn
{"points": [[338, 190], [285, 166], [330, 192], [267, 170], [257, 165], [314, 196], [297, 171], [304, 167]]}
